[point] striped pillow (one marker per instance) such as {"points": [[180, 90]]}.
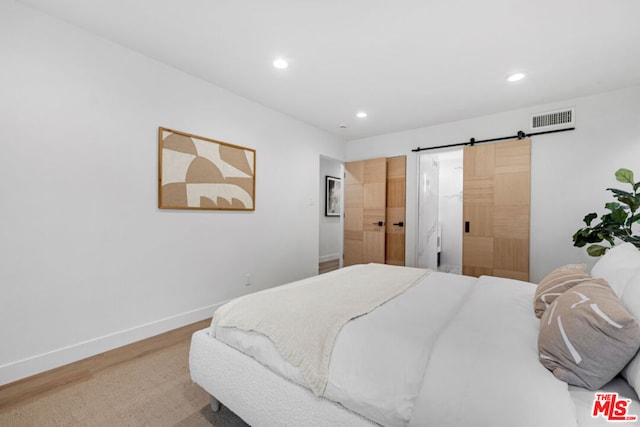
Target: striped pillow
{"points": [[587, 336], [556, 282]]}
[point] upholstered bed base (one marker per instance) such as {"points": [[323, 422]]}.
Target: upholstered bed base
{"points": [[258, 395]]}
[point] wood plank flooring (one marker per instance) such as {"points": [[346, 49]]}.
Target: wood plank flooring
{"points": [[327, 266], [59, 378]]}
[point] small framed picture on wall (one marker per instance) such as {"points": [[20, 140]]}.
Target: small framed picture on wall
{"points": [[333, 196]]}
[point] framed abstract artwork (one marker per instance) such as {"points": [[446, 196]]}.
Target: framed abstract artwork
{"points": [[333, 196], [201, 173]]}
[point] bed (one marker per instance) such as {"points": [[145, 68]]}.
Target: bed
{"points": [[439, 349]]}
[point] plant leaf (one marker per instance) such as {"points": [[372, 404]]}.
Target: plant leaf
{"points": [[616, 224], [625, 175], [633, 239], [619, 216], [584, 236], [612, 206], [596, 250], [590, 217], [632, 201], [619, 193]]}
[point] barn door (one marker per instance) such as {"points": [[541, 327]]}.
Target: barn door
{"points": [[496, 212], [364, 211]]}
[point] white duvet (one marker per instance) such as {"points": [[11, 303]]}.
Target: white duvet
{"points": [[450, 351], [304, 318]]}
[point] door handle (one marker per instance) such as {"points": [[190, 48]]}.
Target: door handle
{"points": [[466, 226], [399, 224], [379, 223]]}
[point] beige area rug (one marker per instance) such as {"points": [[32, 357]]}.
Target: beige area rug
{"points": [[153, 390]]}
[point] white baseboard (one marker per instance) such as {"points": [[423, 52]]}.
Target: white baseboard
{"points": [[330, 257], [24, 368]]}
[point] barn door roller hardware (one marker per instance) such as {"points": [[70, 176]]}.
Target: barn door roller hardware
{"points": [[473, 141]]}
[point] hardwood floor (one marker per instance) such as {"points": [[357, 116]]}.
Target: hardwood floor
{"points": [[327, 266], [56, 379]]}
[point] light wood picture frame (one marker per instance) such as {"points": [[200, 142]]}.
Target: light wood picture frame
{"points": [[195, 172]]}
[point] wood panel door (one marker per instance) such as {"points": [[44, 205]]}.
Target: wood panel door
{"points": [[396, 206], [364, 211], [496, 209]]}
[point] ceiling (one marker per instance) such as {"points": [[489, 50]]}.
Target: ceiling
{"points": [[407, 63]]}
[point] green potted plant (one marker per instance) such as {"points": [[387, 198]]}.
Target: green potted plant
{"points": [[618, 222]]}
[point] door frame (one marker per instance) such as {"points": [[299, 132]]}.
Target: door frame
{"points": [[329, 166]]}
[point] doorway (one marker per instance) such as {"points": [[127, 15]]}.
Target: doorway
{"points": [[330, 225], [440, 211], [374, 211], [473, 210]]}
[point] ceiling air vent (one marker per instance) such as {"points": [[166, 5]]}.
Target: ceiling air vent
{"points": [[553, 119]]}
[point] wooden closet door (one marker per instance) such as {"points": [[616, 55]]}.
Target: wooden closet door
{"points": [[396, 207], [496, 209], [364, 211]]}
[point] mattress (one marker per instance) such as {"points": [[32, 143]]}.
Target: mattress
{"points": [[266, 399], [450, 351]]}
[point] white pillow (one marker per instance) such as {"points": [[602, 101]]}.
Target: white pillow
{"points": [[631, 300], [619, 266]]}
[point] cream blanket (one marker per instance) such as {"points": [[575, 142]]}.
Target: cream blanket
{"points": [[303, 318]]}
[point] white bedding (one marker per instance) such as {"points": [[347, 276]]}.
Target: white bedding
{"points": [[303, 318], [485, 365], [464, 354], [360, 375]]}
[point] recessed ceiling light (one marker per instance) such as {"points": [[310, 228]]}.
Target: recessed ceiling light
{"points": [[280, 63], [361, 115], [515, 77]]}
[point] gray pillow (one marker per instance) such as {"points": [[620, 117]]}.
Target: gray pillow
{"points": [[587, 336], [556, 283]]}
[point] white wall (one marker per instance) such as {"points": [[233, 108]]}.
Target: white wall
{"points": [[88, 261], [331, 228], [570, 170]]}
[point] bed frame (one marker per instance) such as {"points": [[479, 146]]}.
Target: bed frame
{"points": [[256, 394]]}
